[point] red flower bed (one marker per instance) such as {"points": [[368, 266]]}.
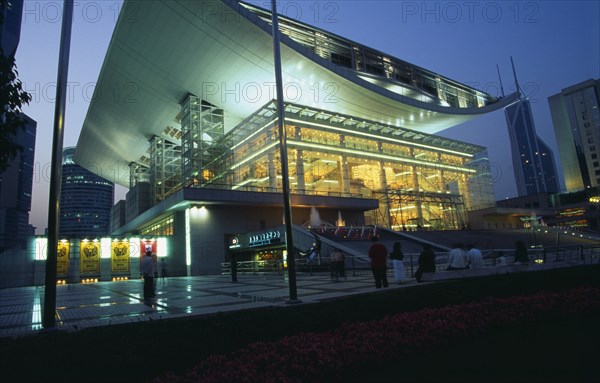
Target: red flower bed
{"points": [[318, 357]]}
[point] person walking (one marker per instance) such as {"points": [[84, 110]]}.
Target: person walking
{"points": [[397, 258], [147, 268], [426, 262], [378, 255]]}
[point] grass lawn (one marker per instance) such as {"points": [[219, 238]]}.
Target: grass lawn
{"points": [[556, 349]]}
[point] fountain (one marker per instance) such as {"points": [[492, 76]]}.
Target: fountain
{"points": [[340, 221], [315, 219]]}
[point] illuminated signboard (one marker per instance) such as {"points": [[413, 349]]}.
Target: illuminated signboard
{"points": [[89, 257], [234, 243], [119, 256], [263, 238], [62, 259]]}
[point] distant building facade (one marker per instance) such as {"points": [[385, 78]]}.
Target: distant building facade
{"points": [[86, 200], [10, 31], [15, 190], [16, 182], [576, 119], [533, 161]]}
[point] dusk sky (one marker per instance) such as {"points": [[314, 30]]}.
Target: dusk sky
{"points": [[554, 44]]}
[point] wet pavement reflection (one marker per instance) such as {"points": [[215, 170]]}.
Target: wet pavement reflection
{"points": [[106, 303]]}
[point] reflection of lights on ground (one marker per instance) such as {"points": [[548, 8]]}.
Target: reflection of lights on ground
{"points": [[36, 314], [188, 310]]}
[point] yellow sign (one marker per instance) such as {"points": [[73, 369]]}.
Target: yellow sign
{"points": [[119, 260], [62, 258], [89, 257]]}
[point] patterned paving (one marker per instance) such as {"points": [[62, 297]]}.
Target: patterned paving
{"points": [[106, 303]]}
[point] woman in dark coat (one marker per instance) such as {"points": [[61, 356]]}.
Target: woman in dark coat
{"points": [[426, 262]]}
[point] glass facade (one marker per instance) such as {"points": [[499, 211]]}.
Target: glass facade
{"points": [[533, 161], [85, 202], [576, 119], [379, 68], [420, 179]]}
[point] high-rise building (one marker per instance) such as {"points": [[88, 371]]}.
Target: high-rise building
{"points": [[10, 30], [15, 190], [533, 161], [576, 119], [17, 181], [85, 202]]}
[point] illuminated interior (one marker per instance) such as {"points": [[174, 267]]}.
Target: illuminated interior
{"points": [[420, 180]]}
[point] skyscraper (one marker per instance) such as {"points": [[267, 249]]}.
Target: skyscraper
{"points": [[533, 161], [576, 119], [10, 30], [16, 182], [86, 200], [15, 190]]}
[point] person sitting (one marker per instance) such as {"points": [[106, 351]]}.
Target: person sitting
{"points": [[457, 259], [474, 258]]}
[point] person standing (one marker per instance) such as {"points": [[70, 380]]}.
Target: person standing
{"points": [[378, 255], [335, 258], [474, 258], [426, 262], [521, 255], [163, 270], [457, 259], [147, 267], [397, 258], [234, 267]]}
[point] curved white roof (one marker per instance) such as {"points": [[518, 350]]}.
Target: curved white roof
{"points": [[161, 51]]}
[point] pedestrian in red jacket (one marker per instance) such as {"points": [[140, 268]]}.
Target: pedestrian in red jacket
{"points": [[378, 254]]}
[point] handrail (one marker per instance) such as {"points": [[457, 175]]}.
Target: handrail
{"points": [[359, 265]]}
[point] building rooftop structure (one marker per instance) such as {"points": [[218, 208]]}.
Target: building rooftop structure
{"points": [[183, 115], [149, 70]]}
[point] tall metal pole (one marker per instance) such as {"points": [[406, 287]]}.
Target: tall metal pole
{"points": [[48, 319], [287, 206]]}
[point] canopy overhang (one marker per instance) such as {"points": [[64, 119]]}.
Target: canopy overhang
{"points": [[162, 51]]}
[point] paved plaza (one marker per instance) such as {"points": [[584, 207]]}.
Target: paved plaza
{"points": [[80, 306]]}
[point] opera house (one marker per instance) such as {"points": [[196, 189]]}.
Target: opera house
{"points": [[184, 116]]}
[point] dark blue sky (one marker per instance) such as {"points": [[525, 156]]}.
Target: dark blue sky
{"points": [[554, 44]]}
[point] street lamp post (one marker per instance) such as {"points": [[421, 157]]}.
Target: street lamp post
{"points": [[287, 208], [48, 319]]}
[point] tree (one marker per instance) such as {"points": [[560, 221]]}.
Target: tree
{"points": [[12, 99]]}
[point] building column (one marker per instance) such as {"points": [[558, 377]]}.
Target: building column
{"points": [[464, 187], [442, 177], [344, 171], [299, 163], [272, 172]]}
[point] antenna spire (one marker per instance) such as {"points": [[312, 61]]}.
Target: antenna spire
{"points": [[500, 78], [515, 74]]}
